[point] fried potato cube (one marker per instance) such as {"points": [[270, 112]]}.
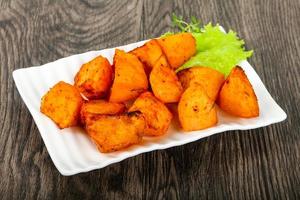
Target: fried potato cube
{"points": [[157, 115], [62, 104], [196, 110], [94, 78], [210, 79], [178, 48], [164, 82], [237, 96], [130, 78], [115, 132], [148, 54], [100, 107]]}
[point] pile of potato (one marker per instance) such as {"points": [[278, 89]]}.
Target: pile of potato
{"points": [[119, 104]]}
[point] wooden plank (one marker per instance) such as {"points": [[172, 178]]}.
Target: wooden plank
{"points": [[257, 164]]}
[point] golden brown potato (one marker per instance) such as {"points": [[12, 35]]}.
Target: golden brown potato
{"points": [[157, 115], [196, 110], [148, 54], [100, 107], [164, 82], [94, 78], [112, 133], [130, 78], [237, 96], [210, 79], [178, 48], [62, 104]]}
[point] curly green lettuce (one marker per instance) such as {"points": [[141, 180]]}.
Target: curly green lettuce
{"points": [[215, 48]]}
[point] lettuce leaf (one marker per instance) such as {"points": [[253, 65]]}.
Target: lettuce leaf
{"points": [[215, 48], [218, 50], [166, 34]]}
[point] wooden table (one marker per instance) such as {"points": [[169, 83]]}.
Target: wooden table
{"points": [[262, 163]]}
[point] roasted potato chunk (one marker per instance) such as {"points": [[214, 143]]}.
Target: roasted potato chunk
{"points": [[62, 104], [164, 82], [157, 115], [94, 78], [196, 110], [210, 79], [112, 133], [130, 78], [100, 107], [178, 48], [148, 54], [237, 96]]}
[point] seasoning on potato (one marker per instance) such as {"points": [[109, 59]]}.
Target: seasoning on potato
{"points": [[178, 48], [237, 96], [196, 111], [100, 107], [148, 54], [130, 78], [164, 82], [115, 132], [210, 79], [62, 104], [158, 117], [94, 78]]}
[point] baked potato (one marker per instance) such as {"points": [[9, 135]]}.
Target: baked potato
{"points": [[94, 78], [178, 48], [210, 79], [164, 82], [157, 115], [196, 110], [100, 107], [148, 54], [115, 132], [62, 104], [237, 96], [130, 78]]}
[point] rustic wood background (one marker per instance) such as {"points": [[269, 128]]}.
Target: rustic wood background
{"points": [[257, 164]]}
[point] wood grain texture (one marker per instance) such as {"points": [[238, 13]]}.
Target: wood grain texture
{"points": [[257, 164]]}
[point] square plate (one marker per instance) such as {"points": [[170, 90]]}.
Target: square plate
{"points": [[73, 152]]}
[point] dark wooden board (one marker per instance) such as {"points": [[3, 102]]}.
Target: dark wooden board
{"points": [[257, 164]]}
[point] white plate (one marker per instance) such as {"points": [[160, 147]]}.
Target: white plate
{"points": [[72, 151]]}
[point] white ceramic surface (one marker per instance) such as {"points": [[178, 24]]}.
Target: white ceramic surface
{"points": [[73, 152]]}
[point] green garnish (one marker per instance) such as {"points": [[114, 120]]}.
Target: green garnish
{"points": [[192, 27], [215, 49], [167, 34], [218, 50]]}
